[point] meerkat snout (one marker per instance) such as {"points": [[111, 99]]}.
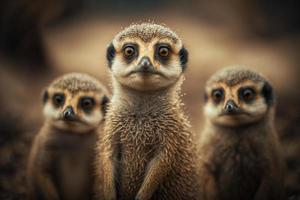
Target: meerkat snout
{"points": [[231, 107], [68, 114]]}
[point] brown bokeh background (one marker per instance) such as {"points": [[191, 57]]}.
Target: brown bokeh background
{"points": [[41, 40]]}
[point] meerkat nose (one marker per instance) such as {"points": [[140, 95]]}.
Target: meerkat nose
{"points": [[69, 114], [230, 106], [145, 63]]}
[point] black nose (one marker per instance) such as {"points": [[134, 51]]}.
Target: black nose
{"points": [[145, 64], [231, 106], [69, 114]]}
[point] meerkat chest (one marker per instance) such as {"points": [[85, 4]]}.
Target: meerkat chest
{"points": [[139, 140], [140, 136], [73, 164], [238, 170]]}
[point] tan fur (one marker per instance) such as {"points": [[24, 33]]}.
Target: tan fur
{"points": [[60, 161], [147, 150], [146, 32], [234, 75], [241, 161], [170, 70], [256, 109], [76, 82], [146, 48]]}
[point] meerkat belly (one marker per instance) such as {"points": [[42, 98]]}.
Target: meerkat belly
{"points": [[239, 173], [73, 168], [135, 155], [74, 175]]}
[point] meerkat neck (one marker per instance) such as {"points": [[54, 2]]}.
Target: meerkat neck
{"points": [[264, 125], [72, 130], [143, 101]]}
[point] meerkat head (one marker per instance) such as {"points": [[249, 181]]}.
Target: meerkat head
{"points": [[75, 102], [237, 96], [146, 56]]}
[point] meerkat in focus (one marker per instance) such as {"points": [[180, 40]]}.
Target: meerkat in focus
{"points": [[239, 149], [61, 159], [147, 150]]}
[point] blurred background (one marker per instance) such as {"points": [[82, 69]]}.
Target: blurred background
{"points": [[40, 40]]}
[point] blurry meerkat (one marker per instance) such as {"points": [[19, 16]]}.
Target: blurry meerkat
{"points": [[147, 150], [239, 149], [61, 159]]}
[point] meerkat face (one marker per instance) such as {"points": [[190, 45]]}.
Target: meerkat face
{"points": [[242, 103], [74, 109], [146, 57]]}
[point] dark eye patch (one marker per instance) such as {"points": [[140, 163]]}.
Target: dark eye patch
{"points": [[217, 95], [87, 104], [247, 94], [130, 52], [58, 99]]}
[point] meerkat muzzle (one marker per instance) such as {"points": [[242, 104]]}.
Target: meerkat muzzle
{"points": [[145, 65], [69, 114], [231, 107]]}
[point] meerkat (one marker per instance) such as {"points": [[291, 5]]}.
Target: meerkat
{"points": [[61, 159], [239, 148], [147, 150]]}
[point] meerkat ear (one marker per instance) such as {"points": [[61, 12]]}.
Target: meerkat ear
{"points": [[104, 104], [267, 92], [183, 55], [110, 54], [45, 96]]}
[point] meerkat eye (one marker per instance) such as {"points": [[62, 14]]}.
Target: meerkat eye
{"points": [[129, 51], [87, 103], [217, 95], [247, 94], [163, 51], [58, 99]]}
